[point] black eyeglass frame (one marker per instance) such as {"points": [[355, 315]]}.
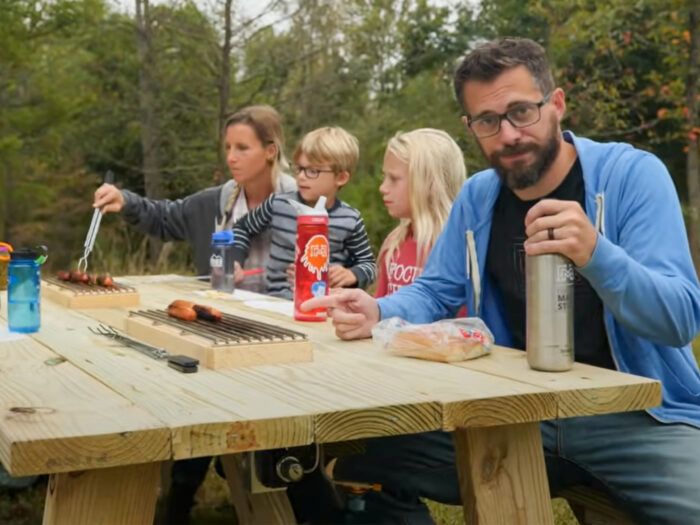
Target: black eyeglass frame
{"points": [[504, 116], [311, 173]]}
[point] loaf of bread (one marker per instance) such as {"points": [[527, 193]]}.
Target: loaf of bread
{"points": [[445, 341]]}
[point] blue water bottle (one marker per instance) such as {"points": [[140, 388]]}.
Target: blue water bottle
{"points": [[221, 261], [23, 290]]}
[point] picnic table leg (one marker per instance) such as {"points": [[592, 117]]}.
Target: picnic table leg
{"points": [[270, 508], [502, 475], [115, 496]]}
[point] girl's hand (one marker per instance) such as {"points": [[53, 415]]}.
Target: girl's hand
{"points": [[340, 277]]}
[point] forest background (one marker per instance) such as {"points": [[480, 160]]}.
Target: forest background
{"points": [[141, 89], [88, 86]]}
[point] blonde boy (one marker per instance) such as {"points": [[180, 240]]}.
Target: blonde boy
{"points": [[324, 162]]}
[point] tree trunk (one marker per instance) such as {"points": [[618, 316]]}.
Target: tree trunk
{"points": [[7, 191], [149, 125], [693, 161], [224, 80]]}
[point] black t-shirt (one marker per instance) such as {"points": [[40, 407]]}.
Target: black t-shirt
{"points": [[505, 268]]}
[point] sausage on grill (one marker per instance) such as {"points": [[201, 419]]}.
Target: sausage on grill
{"points": [[184, 314], [179, 303], [76, 276], [105, 280], [207, 313], [189, 311]]}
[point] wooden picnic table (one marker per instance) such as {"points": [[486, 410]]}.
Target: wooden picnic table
{"points": [[101, 418]]}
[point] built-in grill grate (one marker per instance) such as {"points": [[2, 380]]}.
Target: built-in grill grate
{"points": [[90, 289], [230, 330]]}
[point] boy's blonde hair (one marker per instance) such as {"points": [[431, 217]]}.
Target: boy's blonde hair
{"points": [[436, 172], [330, 145]]}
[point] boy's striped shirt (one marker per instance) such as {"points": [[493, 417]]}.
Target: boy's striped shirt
{"points": [[347, 237]]}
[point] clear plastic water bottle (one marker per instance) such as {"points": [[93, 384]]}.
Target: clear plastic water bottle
{"points": [[23, 291], [221, 261]]}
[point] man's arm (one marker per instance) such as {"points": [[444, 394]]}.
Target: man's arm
{"points": [[644, 275]]}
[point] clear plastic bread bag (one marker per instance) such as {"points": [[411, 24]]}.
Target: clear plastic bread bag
{"points": [[447, 341]]}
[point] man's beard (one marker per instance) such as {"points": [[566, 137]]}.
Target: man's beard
{"points": [[521, 175]]}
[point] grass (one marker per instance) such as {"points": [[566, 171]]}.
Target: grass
{"points": [[450, 515]]}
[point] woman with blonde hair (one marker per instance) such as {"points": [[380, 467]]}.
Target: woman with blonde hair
{"points": [[254, 148], [423, 172]]}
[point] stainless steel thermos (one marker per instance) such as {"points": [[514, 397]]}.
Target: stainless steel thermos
{"points": [[549, 314]]}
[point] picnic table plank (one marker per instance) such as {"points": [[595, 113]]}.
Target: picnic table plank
{"points": [[205, 413], [339, 387], [56, 418], [582, 391]]}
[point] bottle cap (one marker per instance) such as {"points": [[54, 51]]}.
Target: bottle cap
{"points": [[222, 237], [38, 254], [24, 254], [302, 209]]}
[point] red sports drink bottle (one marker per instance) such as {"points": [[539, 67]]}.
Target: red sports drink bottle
{"points": [[311, 264]]}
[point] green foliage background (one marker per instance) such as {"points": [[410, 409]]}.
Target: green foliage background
{"points": [[69, 86]]}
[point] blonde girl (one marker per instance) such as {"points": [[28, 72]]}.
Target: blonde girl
{"points": [[423, 172]]}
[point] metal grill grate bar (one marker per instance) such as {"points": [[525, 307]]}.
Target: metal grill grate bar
{"points": [[87, 289], [231, 329]]}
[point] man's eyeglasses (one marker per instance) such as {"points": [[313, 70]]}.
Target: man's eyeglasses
{"points": [[520, 115], [311, 173]]}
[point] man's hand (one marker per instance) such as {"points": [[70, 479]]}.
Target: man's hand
{"points": [[108, 198], [354, 312], [555, 226], [340, 277]]}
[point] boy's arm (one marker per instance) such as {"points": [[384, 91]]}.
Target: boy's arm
{"points": [[363, 264], [249, 226]]}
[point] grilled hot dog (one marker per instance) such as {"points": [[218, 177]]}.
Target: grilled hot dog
{"points": [[207, 313], [179, 303], [105, 280], [189, 311], [76, 276], [184, 314]]}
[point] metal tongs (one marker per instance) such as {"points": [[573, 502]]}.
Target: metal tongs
{"points": [[151, 351], [94, 228]]}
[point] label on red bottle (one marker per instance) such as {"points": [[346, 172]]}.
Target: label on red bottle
{"points": [[315, 257]]}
